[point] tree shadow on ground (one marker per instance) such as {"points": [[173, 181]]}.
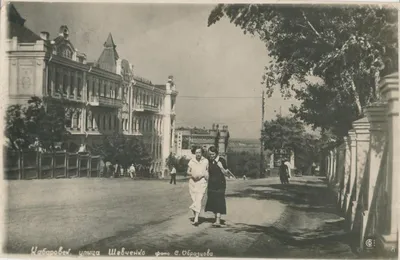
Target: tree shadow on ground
{"points": [[324, 242], [298, 195]]}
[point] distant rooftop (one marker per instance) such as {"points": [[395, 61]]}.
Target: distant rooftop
{"points": [[143, 80]]}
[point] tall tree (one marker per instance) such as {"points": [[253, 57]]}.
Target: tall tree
{"points": [[288, 133], [282, 133], [16, 131], [118, 148], [47, 122], [348, 47], [25, 124]]}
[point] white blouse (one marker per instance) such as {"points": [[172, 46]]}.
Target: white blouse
{"points": [[198, 169]]}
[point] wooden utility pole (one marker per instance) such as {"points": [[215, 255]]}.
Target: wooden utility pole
{"points": [[262, 127]]}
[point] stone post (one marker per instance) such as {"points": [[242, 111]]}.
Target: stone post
{"points": [[361, 127], [352, 179], [377, 120], [347, 171], [389, 90]]}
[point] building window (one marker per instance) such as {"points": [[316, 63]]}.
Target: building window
{"points": [[109, 123], [49, 77], [71, 88], [68, 122], [87, 89], [65, 84], [94, 88], [57, 83], [104, 122], [78, 118], [89, 124], [75, 120], [79, 87], [105, 90], [94, 123]]}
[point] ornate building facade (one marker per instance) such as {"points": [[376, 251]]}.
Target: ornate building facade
{"points": [[102, 97]]}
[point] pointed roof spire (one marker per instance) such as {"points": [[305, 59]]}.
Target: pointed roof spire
{"points": [[110, 42], [109, 56]]}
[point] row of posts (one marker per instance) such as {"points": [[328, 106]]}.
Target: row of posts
{"points": [[364, 172], [38, 165]]}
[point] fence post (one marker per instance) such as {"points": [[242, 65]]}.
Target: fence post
{"points": [[66, 165], [53, 162], [22, 166], [89, 166], [39, 163], [79, 165]]}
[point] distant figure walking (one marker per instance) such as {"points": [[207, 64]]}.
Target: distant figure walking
{"points": [[289, 167], [198, 172], [216, 186], [117, 170], [132, 171], [284, 173], [173, 175]]}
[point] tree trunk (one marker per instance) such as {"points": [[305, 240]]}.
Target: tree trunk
{"points": [[356, 97]]}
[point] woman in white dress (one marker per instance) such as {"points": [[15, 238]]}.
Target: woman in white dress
{"points": [[198, 172]]}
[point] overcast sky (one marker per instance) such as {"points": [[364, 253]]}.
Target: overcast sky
{"points": [[159, 40]]}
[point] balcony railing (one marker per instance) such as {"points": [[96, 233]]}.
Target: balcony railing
{"points": [[68, 97], [138, 108], [151, 108], [105, 101], [148, 108]]}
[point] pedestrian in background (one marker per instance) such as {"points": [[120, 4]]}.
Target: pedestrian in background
{"points": [[283, 173], [289, 167], [117, 169], [173, 175], [216, 185], [198, 172], [132, 171]]}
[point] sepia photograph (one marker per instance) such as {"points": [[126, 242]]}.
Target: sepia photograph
{"points": [[176, 130]]}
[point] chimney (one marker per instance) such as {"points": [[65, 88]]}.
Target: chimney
{"points": [[213, 126], [217, 127], [45, 36]]}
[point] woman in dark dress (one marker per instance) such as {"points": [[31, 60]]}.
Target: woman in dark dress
{"points": [[216, 186]]}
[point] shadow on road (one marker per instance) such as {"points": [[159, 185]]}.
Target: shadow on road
{"points": [[302, 227], [306, 195]]}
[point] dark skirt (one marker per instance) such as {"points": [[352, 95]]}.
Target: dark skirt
{"points": [[216, 196]]}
